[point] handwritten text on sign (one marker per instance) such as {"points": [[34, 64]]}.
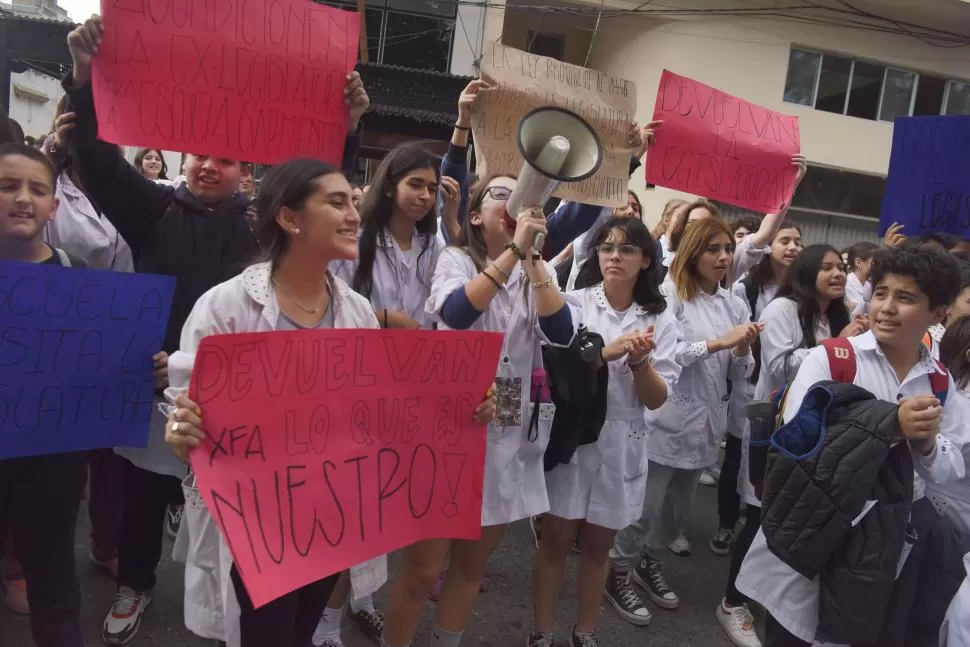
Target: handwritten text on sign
{"points": [[928, 187], [76, 352], [721, 147], [259, 80], [520, 82], [328, 448]]}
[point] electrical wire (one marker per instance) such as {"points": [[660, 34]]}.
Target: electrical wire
{"points": [[592, 39]]}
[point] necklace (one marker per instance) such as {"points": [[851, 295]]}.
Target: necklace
{"points": [[309, 311]]}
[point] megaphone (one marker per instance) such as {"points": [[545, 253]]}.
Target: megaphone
{"points": [[558, 146]]}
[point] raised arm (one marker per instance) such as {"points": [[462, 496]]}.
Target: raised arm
{"points": [[132, 203]]}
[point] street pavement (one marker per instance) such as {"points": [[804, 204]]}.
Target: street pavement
{"points": [[502, 615]]}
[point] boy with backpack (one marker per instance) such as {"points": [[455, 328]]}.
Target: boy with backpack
{"points": [[40, 495], [890, 362]]}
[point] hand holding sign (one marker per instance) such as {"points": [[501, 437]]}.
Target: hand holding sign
{"points": [[262, 81], [721, 147], [323, 449]]}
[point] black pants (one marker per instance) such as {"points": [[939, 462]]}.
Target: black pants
{"points": [[39, 501], [728, 499], [778, 636], [288, 621], [147, 495], [752, 521]]}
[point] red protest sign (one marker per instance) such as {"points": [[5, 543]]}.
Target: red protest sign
{"points": [[721, 147], [260, 81], [327, 448]]}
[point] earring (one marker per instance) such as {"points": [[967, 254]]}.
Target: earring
{"points": [[296, 230]]}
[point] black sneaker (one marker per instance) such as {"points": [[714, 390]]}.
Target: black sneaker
{"points": [[722, 542], [649, 575], [173, 518], [540, 640], [624, 598], [371, 623], [584, 640]]}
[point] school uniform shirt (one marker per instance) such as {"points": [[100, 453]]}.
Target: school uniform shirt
{"points": [[245, 303], [81, 231], [515, 486], [782, 352], [791, 598], [742, 394], [401, 279], [686, 431], [606, 481]]}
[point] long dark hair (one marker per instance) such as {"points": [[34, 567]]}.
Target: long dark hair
{"points": [[378, 204], [140, 157], [800, 287], [762, 273], [953, 351], [289, 185], [646, 291], [470, 238]]}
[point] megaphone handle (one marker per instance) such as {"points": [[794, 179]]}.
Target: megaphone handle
{"points": [[539, 242]]}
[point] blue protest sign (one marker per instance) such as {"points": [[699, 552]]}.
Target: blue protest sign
{"points": [[76, 352], [928, 188]]}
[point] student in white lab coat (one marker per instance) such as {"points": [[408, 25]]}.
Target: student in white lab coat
{"points": [[756, 289], [685, 432], [306, 219], [857, 288], [601, 490], [893, 364], [493, 282], [750, 250], [399, 241], [809, 305]]}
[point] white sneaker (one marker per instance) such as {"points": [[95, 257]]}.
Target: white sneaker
{"points": [[707, 479], [738, 623], [680, 546], [122, 622]]}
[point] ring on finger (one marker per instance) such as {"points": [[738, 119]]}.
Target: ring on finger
{"points": [[175, 428]]}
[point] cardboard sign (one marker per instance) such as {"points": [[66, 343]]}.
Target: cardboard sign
{"points": [[259, 80], [928, 187], [520, 82], [76, 352], [326, 448], [721, 147]]}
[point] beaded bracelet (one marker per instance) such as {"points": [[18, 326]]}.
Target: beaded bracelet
{"points": [[515, 249]]}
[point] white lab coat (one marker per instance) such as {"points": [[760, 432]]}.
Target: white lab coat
{"points": [[743, 393], [857, 294], [782, 352], [81, 231], [245, 303], [952, 499], [791, 598], [686, 431], [515, 484], [606, 481], [402, 279], [956, 627]]}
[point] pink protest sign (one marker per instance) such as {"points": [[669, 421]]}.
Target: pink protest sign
{"points": [[327, 448], [721, 147], [260, 80]]}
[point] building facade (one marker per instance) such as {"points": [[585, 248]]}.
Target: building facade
{"points": [[846, 69]]}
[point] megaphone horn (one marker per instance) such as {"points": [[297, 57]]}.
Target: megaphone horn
{"points": [[558, 146]]}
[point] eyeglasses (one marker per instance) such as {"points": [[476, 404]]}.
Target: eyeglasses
{"points": [[500, 193], [608, 249]]}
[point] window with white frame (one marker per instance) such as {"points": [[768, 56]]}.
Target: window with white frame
{"points": [[870, 90]]}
